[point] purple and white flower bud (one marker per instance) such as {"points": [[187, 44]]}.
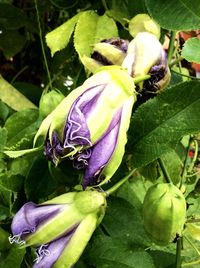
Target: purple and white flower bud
{"points": [[89, 126], [60, 228], [146, 56]]}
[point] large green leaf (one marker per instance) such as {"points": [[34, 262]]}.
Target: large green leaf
{"points": [[191, 50], [14, 258], [11, 42], [91, 29], [175, 15], [59, 37], [12, 97], [124, 220], [21, 127], [39, 183], [107, 252], [11, 17], [159, 123]]}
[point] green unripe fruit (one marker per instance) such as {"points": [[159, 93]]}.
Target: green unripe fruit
{"points": [[164, 212], [49, 102]]}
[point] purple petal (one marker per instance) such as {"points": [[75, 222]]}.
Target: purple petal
{"points": [[102, 152], [55, 150], [47, 255], [31, 215], [76, 130]]}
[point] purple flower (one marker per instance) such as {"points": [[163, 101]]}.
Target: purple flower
{"points": [[90, 125], [59, 229]]}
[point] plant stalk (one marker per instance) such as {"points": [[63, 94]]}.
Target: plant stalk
{"points": [[178, 252], [42, 45], [119, 184], [164, 171], [171, 46]]}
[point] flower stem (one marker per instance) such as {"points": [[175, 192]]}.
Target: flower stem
{"points": [[184, 171], [120, 183], [42, 45], [171, 46], [164, 170], [178, 252], [104, 4], [141, 78]]}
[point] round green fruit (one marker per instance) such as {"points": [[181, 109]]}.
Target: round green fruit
{"points": [[164, 212], [49, 102]]}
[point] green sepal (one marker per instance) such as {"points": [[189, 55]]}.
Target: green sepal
{"points": [[89, 201], [91, 64], [111, 53], [78, 242]]}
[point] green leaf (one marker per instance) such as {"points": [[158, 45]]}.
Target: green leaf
{"points": [[15, 154], [107, 252], [175, 15], [11, 17], [59, 37], [194, 230], [191, 50], [124, 221], [11, 182], [3, 138], [119, 15], [12, 97], [95, 29], [39, 183], [11, 42], [14, 258], [21, 127], [158, 124], [173, 164]]}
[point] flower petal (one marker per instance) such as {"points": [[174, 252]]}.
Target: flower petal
{"points": [[47, 255], [76, 130], [31, 215], [102, 152]]}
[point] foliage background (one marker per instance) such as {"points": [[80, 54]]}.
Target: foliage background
{"points": [[160, 127]]}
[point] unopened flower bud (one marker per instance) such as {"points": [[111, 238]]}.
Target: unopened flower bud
{"points": [[59, 228], [146, 56], [90, 125], [164, 212]]}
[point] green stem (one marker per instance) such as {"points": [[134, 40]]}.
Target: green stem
{"points": [[194, 159], [192, 245], [171, 46], [178, 252], [164, 170], [19, 73], [185, 75], [141, 78], [119, 184], [184, 171], [174, 62], [42, 45], [104, 4]]}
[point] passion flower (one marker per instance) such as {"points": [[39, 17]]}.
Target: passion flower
{"points": [[164, 212], [89, 126]]}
